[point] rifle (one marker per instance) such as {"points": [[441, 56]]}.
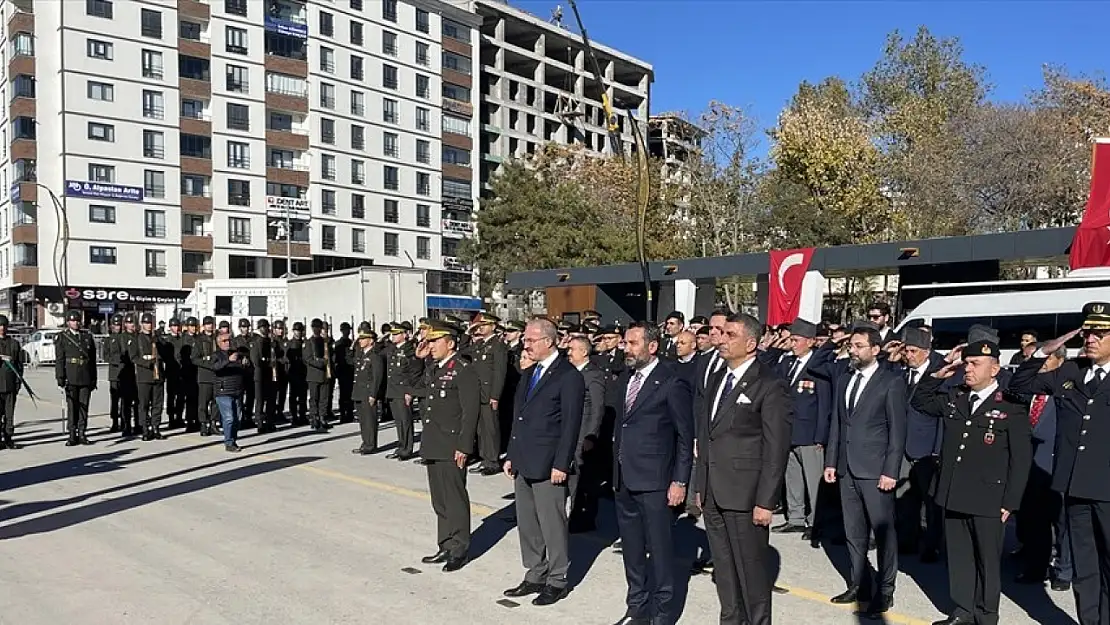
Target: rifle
{"points": [[273, 358], [154, 356]]}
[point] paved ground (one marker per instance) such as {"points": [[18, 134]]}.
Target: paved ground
{"points": [[296, 530]]}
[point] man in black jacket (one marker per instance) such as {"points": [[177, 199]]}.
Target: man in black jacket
{"points": [[75, 370], [145, 352], [11, 372], [369, 371], [585, 480], [404, 372], [227, 365], [203, 348], [317, 360]]}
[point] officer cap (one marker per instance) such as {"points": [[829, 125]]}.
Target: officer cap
{"points": [[344, 326], [366, 331], [192, 322], [453, 320], [677, 314], [612, 328], [514, 326], [439, 330], [174, 321], [803, 328], [406, 326], [575, 328], [823, 329], [147, 318], [1096, 316], [317, 323], [703, 331], [4, 320], [916, 337], [225, 325], [484, 318], [278, 324], [564, 326], [263, 323], [396, 328], [209, 320], [979, 332], [244, 323], [591, 326], [591, 314], [700, 319], [117, 319], [981, 348], [73, 315], [129, 318]]}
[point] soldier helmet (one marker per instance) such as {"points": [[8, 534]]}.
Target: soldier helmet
{"points": [[174, 321], [117, 319], [4, 320], [278, 324], [263, 323], [147, 318], [298, 326], [209, 320], [366, 331], [244, 322], [225, 325], [317, 323], [344, 327], [73, 315], [406, 326], [192, 322], [129, 318]]}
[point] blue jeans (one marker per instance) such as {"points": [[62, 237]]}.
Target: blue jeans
{"points": [[230, 409]]}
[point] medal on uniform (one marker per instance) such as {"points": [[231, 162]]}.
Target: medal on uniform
{"points": [[443, 394], [988, 438]]}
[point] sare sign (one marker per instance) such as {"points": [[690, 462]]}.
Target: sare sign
{"points": [[98, 295]]}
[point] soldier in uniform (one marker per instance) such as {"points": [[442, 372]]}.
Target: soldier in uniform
{"points": [[262, 361], [114, 356], [203, 349], [344, 373], [11, 372], [450, 417], [175, 395], [984, 463], [298, 384], [242, 344], [369, 371], [458, 325], [281, 365], [75, 369], [403, 375], [317, 360], [150, 377], [188, 377], [490, 359], [329, 388]]}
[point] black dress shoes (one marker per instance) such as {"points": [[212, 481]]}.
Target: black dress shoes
{"points": [[551, 595], [930, 556], [392, 455], [788, 528], [454, 564], [524, 589], [439, 558], [362, 451], [848, 596], [955, 620], [1060, 586], [878, 606]]}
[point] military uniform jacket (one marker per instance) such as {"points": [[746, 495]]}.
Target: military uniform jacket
{"points": [[203, 349], [116, 350], [75, 358], [280, 363], [144, 352], [294, 358], [344, 353], [984, 456], [262, 357], [451, 408], [491, 360], [170, 349], [242, 344], [404, 370], [314, 359], [185, 351], [369, 372], [9, 381]]}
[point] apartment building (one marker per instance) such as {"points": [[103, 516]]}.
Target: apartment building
{"points": [[187, 139]]}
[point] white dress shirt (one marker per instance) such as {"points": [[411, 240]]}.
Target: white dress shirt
{"points": [[736, 374], [867, 372]]}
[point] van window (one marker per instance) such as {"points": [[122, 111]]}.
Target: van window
{"points": [[950, 332]]}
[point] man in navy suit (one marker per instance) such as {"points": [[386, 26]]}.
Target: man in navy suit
{"points": [[544, 440], [866, 442], [653, 445]]}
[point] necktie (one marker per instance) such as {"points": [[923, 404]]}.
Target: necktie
{"points": [[853, 393], [710, 369], [729, 380], [1037, 409], [1096, 380], [633, 391], [793, 370], [974, 399], [536, 373], [913, 377]]}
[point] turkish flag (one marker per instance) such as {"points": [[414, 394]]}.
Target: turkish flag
{"points": [[788, 270], [1091, 245]]}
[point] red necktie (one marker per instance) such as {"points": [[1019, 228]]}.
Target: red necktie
{"points": [[1037, 408]]}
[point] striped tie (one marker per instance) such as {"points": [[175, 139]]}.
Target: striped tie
{"points": [[633, 390]]}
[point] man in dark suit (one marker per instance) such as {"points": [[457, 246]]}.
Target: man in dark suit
{"points": [[548, 413], [743, 432], [584, 482], [709, 362], [866, 443], [654, 453]]}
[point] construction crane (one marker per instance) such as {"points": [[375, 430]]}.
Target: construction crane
{"points": [[610, 114]]}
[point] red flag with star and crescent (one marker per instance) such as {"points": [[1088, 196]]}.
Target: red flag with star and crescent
{"points": [[1091, 245]]}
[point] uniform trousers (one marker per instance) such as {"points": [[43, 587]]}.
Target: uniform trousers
{"points": [[7, 414], [451, 503], [1089, 529], [151, 400], [114, 402], [298, 399], [206, 397], [402, 419], [264, 398], [367, 411], [974, 552], [317, 408], [1040, 508], [346, 402], [175, 397], [489, 436], [541, 517], [917, 477], [189, 400], [804, 467], [77, 409], [280, 391]]}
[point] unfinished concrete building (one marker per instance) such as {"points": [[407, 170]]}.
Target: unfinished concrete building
{"points": [[674, 140]]}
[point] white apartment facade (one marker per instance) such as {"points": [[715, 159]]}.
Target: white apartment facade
{"points": [[225, 139]]}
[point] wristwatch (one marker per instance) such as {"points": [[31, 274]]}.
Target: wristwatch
{"points": [[682, 484]]}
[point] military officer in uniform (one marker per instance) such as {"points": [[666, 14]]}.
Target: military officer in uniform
{"points": [[298, 383], [262, 361], [128, 388], [281, 366], [188, 378], [11, 372], [175, 395], [114, 356], [450, 418], [984, 463], [403, 375], [369, 371], [317, 360], [203, 349], [75, 369], [242, 344], [150, 376], [490, 359], [344, 373]]}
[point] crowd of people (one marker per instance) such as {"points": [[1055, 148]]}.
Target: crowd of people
{"points": [[855, 433]]}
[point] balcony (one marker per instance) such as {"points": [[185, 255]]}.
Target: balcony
{"points": [[287, 65], [22, 106], [457, 228], [458, 172], [452, 263], [194, 9], [191, 47], [27, 191], [197, 166], [24, 149], [23, 18], [197, 243], [295, 250], [287, 101], [26, 233], [461, 142], [291, 139], [196, 123], [189, 279], [21, 64], [155, 270], [196, 205], [25, 275], [288, 174], [195, 88]]}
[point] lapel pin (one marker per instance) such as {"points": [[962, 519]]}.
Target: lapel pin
{"points": [[1069, 385]]}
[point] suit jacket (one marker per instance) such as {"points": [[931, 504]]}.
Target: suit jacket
{"points": [[924, 431], [812, 397], [548, 419], [869, 442], [593, 406], [653, 442], [742, 450]]}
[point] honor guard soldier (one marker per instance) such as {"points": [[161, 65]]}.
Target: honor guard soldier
{"points": [[369, 371], [984, 463], [203, 349], [175, 396], [403, 375], [115, 349], [490, 360], [452, 400], [262, 357], [150, 376], [188, 383], [128, 387], [298, 383], [75, 369], [11, 379], [317, 360], [344, 373], [281, 368], [242, 344]]}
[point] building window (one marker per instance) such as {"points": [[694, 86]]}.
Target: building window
{"points": [[155, 224], [237, 78], [286, 85], [356, 67], [327, 237], [455, 156], [236, 7], [189, 30], [23, 86], [155, 263], [282, 159], [23, 44], [358, 206], [238, 155], [422, 24], [423, 248], [99, 8], [154, 105], [423, 183], [194, 186], [423, 86], [356, 33], [455, 92], [152, 64], [455, 31], [391, 177], [358, 240], [327, 167], [102, 255], [389, 76], [151, 24], [327, 95], [389, 110], [102, 214], [456, 189], [423, 54], [238, 117], [423, 151], [327, 202], [423, 216], [358, 137], [389, 144], [456, 62], [456, 125], [389, 43], [390, 212], [358, 103], [24, 128], [358, 172], [97, 49], [327, 24], [154, 144], [391, 245], [239, 230], [327, 130], [236, 40], [356, 5], [102, 91], [101, 173], [327, 60], [239, 192], [389, 10], [196, 146], [154, 183], [423, 117]]}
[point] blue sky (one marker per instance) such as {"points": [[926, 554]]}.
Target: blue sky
{"points": [[754, 54]]}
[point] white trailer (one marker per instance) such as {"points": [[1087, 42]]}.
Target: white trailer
{"points": [[375, 294], [234, 299]]}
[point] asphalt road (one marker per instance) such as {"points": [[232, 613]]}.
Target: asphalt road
{"points": [[296, 529]]}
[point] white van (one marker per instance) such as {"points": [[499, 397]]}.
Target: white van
{"points": [[1048, 313]]}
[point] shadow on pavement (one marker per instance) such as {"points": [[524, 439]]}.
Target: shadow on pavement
{"points": [[69, 467], [493, 528]]}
